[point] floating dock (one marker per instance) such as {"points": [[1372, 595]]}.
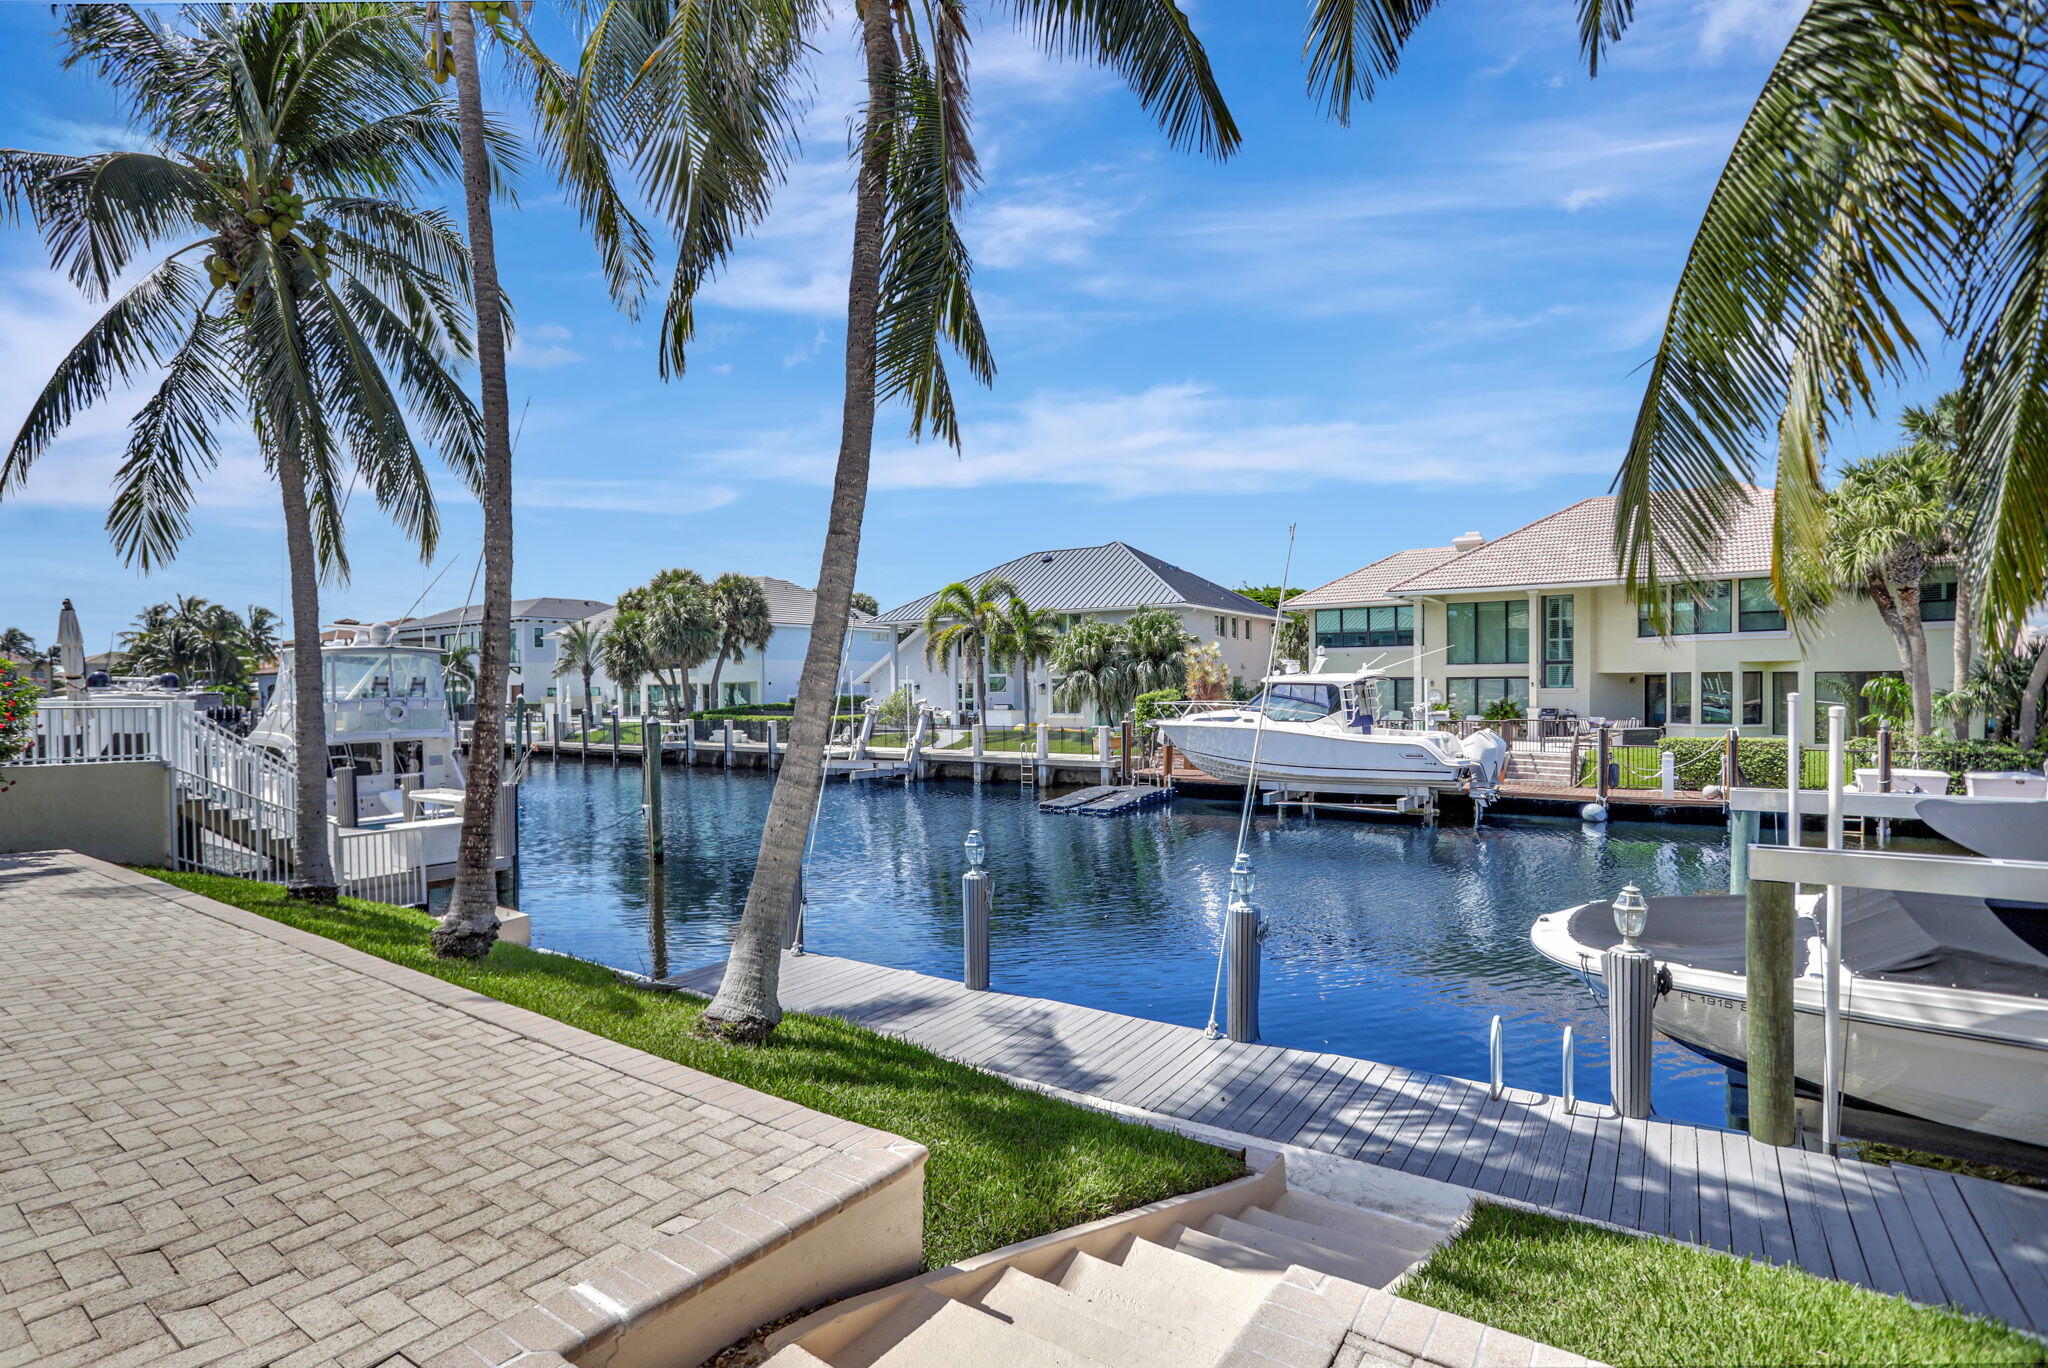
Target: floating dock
{"points": [[1108, 800]]}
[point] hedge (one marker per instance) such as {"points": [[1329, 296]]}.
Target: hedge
{"points": [[1762, 759]]}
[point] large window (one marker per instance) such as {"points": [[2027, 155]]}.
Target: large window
{"points": [[1709, 611], [1844, 687], [1752, 698], [1758, 610], [1681, 699], [1468, 696], [1717, 698], [1494, 633], [1391, 625], [1557, 641], [1393, 695], [1938, 597]]}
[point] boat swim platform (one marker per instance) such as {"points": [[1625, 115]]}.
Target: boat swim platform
{"points": [[1938, 1238]]}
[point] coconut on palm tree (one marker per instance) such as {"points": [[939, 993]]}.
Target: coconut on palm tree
{"points": [[739, 608], [962, 624], [710, 98], [1025, 637], [298, 292]]}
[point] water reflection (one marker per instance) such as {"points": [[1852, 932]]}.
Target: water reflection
{"points": [[1389, 941]]}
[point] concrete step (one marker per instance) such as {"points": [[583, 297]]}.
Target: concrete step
{"points": [[956, 1335], [1124, 1292], [1306, 1206], [1163, 1262], [1288, 1250], [1367, 1235], [1058, 1316]]}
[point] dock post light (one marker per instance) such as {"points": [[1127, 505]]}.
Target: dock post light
{"points": [[1631, 977], [1242, 931], [974, 908]]}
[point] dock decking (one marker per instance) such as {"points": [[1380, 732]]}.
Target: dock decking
{"points": [[1936, 1237]]}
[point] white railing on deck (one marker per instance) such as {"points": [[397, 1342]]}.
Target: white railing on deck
{"points": [[234, 802], [381, 865]]}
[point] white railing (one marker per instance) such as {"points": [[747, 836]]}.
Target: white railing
{"points": [[381, 865], [234, 802]]}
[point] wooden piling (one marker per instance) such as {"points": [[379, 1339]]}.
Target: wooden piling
{"points": [[1769, 950]]}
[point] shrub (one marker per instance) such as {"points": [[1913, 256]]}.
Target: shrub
{"points": [[1503, 710], [1762, 759], [1147, 710], [18, 695]]}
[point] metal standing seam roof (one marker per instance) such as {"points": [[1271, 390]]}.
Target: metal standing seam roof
{"points": [[1574, 545], [1112, 577], [1370, 584], [470, 614]]}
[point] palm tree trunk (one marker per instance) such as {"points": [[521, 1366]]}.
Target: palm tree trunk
{"points": [[312, 877], [1965, 648], [2030, 702], [980, 684], [470, 926], [717, 669], [746, 1008], [1918, 673]]}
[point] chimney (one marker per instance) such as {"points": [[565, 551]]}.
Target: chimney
{"points": [[1471, 541]]}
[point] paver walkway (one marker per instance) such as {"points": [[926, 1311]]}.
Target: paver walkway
{"points": [[225, 1141], [1936, 1237]]}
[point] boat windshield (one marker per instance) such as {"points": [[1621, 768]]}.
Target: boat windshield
{"points": [[381, 674], [1296, 702]]}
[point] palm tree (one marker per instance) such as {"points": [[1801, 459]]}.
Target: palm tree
{"points": [[288, 139], [2034, 693], [676, 628], [1094, 669], [579, 653], [1296, 642], [865, 603], [961, 624], [469, 927], [708, 101], [1157, 646], [1997, 687], [624, 653], [15, 641], [1886, 521], [1025, 636], [739, 607], [260, 631]]}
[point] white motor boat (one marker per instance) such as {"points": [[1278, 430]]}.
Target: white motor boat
{"points": [[1321, 734], [1944, 999]]}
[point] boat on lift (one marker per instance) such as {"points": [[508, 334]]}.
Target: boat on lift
{"points": [[1323, 732]]}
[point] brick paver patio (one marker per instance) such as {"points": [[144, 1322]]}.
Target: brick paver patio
{"points": [[224, 1141]]}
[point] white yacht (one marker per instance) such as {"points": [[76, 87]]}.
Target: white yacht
{"points": [[1944, 999], [1324, 733]]}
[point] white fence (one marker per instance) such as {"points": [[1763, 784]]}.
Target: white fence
{"points": [[234, 801], [379, 865]]}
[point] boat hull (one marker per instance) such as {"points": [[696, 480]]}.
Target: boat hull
{"points": [[1310, 759], [1971, 1060]]}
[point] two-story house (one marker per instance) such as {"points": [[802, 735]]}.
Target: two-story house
{"points": [[1109, 582], [535, 648], [1540, 615]]}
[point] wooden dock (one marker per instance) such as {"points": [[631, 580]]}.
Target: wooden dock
{"points": [[1935, 1237]]}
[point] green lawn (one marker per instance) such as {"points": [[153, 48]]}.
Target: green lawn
{"points": [[1013, 745], [1006, 1164], [1629, 1300]]}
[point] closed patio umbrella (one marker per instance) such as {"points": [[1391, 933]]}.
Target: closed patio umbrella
{"points": [[70, 646]]}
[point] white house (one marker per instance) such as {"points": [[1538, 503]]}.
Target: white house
{"points": [[534, 646], [1540, 615], [765, 676], [1109, 582]]}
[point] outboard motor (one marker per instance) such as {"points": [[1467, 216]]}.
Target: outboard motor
{"points": [[1487, 753]]}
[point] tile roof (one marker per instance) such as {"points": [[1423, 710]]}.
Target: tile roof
{"points": [[568, 609], [1575, 545], [789, 605], [1370, 584], [1082, 578]]}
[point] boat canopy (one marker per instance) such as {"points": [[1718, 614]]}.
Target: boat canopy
{"points": [[1925, 938], [1338, 677]]}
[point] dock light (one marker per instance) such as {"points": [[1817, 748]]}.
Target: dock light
{"points": [[1631, 915], [977, 849], [1242, 880]]}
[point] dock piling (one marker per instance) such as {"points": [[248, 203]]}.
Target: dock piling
{"points": [[615, 735], [975, 897], [345, 810], [774, 746], [1242, 931], [1631, 977], [793, 929], [650, 781], [1768, 961], [583, 734]]}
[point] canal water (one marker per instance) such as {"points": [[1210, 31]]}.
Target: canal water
{"points": [[1389, 940]]}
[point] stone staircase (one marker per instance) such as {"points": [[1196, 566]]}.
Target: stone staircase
{"points": [[1535, 763], [1298, 1282]]}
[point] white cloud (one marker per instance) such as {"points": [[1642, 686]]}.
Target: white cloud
{"points": [[1190, 438], [541, 347], [1759, 26], [1032, 230], [1585, 197]]}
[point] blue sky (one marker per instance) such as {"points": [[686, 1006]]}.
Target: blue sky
{"points": [[1389, 334]]}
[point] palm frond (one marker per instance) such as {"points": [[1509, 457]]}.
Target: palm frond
{"points": [[1352, 45], [1153, 47], [170, 447], [98, 213], [1601, 24]]}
